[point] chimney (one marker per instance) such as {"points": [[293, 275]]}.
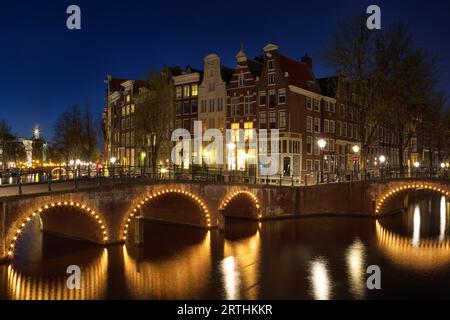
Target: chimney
{"points": [[308, 60]]}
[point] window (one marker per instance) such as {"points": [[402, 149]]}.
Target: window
{"points": [[332, 145], [186, 91], [272, 120], [194, 106], [128, 98], [272, 99], [211, 87], [219, 104], [186, 124], [309, 146], [339, 128], [316, 105], [123, 124], [309, 124], [271, 78], [332, 126], [344, 130], [282, 119], [234, 106], [248, 130], [309, 165], [327, 106], [262, 119], [132, 122], [350, 130], [194, 90], [211, 105], [186, 107], [128, 123], [178, 92], [326, 126], [317, 165], [248, 105], [317, 125], [241, 79], [308, 103], [203, 105], [132, 108], [316, 147], [123, 111], [332, 107], [128, 110], [281, 96], [270, 64], [262, 98]]}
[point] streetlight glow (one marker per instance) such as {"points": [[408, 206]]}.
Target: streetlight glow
{"points": [[443, 165], [231, 146], [356, 148], [417, 164], [113, 160], [322, 144], [382, 159]]}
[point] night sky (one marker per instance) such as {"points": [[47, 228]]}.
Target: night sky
{"points": [[45, 68]]}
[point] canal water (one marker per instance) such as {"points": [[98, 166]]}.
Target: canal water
{"points": [[314, 258]]}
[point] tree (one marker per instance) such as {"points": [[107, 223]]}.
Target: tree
{"points": [[75, 136], [352, 55], [386, 76], [154, 113], [12, 149]]}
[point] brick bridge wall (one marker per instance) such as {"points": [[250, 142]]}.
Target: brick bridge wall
{"points": [[109, 207]]}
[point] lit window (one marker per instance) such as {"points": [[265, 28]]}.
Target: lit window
{"points": [[132, 108], [248, 130], [194, 90], [128, 98], [178, 92], [186, 91], [128, 110]]}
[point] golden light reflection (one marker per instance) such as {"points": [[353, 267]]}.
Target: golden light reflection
{"points": [[182, 276], [416, 227], [427, 254], [356, 268], [320, 279], [240, 268], [442, 219], [28, 287]]}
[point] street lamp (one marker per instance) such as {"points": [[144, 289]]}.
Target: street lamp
{"points": [[232, 147], [443, 165], [382, 159], [113, 161], [417, 164], [322, 144], [356, 148]]}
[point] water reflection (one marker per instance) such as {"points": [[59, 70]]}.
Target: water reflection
{"points": [[316, 258], [429, 245], [356, 269], [23, 286], [320, 279]]}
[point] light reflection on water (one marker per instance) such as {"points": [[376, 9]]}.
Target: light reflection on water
{"points": [[318, 258]]}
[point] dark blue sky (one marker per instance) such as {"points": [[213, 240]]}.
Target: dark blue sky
{"points": [[45, 68]]}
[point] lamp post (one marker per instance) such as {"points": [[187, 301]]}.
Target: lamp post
{"points": [[356, 150], [232, 148], [382, 160], [322, 144], [113, 161]]}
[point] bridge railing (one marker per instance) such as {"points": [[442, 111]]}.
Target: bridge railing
{"points": [[93, 175]]}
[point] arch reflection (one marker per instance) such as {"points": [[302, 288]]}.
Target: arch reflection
{"points": [[240, 268], [21, 286], [182, 276]]}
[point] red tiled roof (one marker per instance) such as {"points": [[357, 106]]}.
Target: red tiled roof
{"points": [[300, 75]]}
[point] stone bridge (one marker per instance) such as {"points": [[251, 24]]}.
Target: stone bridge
{"points": [[107, 214]]}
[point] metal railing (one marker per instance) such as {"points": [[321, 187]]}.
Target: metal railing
{"points": [[76, 176]]}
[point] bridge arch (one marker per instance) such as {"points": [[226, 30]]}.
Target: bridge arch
{"points": [[408, 187], [20, 224], [135, 212], [230, 198]]}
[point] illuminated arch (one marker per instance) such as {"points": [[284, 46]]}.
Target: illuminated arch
{"points": [[156, 195], [59, 168], [71, 204], [408, 187], [225, 203]]}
